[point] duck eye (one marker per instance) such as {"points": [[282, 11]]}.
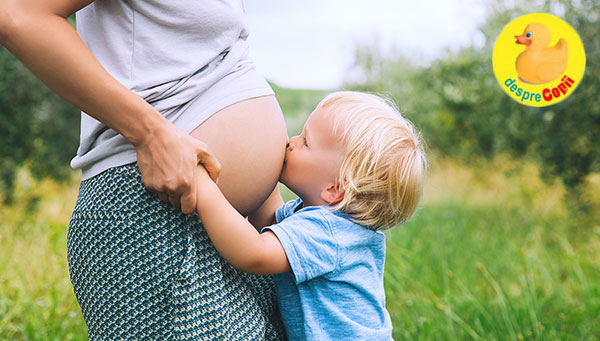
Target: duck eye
{"points": [[528, 34]]}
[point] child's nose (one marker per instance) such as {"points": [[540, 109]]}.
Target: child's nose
{"points": [[292, 143]]}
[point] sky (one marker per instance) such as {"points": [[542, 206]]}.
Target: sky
{"points": [[311, 43]]}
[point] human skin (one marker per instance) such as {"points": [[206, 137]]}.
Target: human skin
{"points": [[249, 139], [38, 34], [313, 160]]}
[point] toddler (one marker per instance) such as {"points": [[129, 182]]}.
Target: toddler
{"points": [[358, 168]]}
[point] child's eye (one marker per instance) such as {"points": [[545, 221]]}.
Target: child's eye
{"points": [[306, 144]]}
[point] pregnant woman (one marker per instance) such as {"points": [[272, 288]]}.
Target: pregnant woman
{"points": [[157, 82]]}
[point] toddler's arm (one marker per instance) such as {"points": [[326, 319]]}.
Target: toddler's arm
{"points": [[265, 214], [233, 236]]}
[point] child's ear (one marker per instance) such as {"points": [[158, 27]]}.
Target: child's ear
{"points": [[333, 194]]}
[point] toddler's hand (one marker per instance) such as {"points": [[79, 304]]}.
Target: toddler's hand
{"points": [[205, 189], [203, 182], [202, 175]]}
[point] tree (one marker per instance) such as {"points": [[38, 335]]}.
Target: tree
{"points": [[38, 130], [463, 113]]}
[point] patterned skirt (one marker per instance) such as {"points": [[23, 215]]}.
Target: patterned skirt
{"points": [[143, 270]]}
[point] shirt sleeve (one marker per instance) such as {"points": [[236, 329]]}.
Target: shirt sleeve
{"points": [[309, 244], [287, 209]]}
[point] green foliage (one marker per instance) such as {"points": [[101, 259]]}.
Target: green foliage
{"points": [[462, 112], [297, 105], [570, 146], [38, 128]]}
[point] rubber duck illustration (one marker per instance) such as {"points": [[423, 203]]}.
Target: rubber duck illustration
{"points": [[539, 63]]}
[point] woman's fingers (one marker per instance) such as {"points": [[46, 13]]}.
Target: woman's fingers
{"points": [[174, 200], [163, 197], [168, 162], [188, 199]]}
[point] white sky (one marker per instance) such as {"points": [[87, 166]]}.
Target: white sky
{"points": [[311, 43]]}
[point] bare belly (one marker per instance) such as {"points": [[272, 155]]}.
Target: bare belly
{"points": [[249, 140]]}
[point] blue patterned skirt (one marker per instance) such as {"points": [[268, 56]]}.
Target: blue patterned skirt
{"points": [[143, 270]]}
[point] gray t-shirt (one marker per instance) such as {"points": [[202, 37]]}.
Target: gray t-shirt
{"points": [[335, 289], [188, 59]]}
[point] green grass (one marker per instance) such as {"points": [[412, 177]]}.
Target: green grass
{"points": [[495, 254], [467, 271], [36, 297], [37, 302]]}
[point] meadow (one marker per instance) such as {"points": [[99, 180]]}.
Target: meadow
{"points": [[493, 253]]}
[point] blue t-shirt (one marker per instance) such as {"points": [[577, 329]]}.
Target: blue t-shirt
{"points": [[335, 290]]}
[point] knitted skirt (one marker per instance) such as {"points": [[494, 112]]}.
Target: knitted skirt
{"points": [[143, 270]]}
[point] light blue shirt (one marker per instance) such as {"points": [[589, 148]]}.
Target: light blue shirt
{"points": [[335, 290]]}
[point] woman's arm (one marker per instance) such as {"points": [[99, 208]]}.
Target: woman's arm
{"points": [[37, 33], [233, 236]]}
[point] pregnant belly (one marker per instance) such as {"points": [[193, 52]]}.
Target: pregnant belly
{"points": [[249, 140]]}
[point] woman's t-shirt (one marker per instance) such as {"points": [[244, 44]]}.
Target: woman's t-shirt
{"points": [[175, 54]]}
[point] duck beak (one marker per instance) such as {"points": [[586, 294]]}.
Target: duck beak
{"points": [[523, 40]]}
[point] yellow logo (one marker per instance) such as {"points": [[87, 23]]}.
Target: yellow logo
{"points": [[538, 59]]}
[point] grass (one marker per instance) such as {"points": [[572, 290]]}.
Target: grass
{"points": [[493, 254], [482, 272], [36, 297]]}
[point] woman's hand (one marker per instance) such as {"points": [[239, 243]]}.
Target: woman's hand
{"points": [[168, 160]]}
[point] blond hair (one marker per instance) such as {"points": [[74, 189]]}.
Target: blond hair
{"points": [[384, 164]]}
